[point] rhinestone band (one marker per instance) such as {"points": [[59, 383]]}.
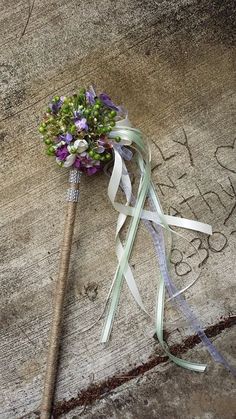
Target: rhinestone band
{"points": [[74, 176], [72, 195]]}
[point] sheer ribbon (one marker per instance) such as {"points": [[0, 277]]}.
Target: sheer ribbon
{"points": [[156, 222]]}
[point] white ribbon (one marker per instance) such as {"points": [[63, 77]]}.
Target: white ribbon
{"points": [[120, 176]]}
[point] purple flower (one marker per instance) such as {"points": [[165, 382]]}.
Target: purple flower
{"points": [[55, 106], [104, 142], [92, 170], [83, 160], [86, 164], [86, 160], [81, 124], [108, 102], [90, 96], [66, 137], [78, 163], [62, 153]]}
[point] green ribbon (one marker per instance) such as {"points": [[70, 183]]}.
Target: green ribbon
{"points": [[133, 138]]}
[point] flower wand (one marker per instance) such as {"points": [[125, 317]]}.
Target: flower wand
{"points": [[75, 130], [86, 132]]}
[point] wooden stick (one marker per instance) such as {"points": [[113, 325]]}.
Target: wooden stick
{"points": [[59, 296]]}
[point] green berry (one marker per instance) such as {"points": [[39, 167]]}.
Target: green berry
{"points": [[73, 129], [112, 114], [96, 156], [117, 139], [112, 123], [47, 141], [41, 129], [104, 130], [107, 156], [56, 98], [51, 149], [91, 153]]}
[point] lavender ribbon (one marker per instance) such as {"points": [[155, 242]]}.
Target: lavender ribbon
{"points": [[159, 244], [158, 240]]}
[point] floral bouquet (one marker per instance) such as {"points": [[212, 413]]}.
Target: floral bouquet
{"points": [[76, 130]]}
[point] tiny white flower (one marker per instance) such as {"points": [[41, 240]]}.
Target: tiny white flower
{"points": [[80, 145], [69, 160]]}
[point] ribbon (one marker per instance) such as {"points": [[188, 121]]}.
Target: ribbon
{"points": [[155, 221]]}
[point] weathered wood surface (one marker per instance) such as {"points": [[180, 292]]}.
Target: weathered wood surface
{"points": [[172, 65]]}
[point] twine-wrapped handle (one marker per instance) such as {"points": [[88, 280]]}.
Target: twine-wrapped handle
{"points": [[59, 296]]}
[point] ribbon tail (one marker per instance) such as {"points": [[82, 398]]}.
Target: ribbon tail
{"points": [[159, 318], [157, 236], [134, 223], [158, 219], [174, 293]]}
